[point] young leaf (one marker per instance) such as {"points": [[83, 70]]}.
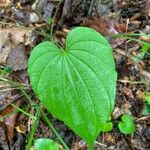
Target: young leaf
{"points": [[127, 125], [77, 85], [107, 127], [45, 144]]}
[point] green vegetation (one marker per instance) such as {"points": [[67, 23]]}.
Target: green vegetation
{"points": [[77, 84], [127, 125], [45, 144]]}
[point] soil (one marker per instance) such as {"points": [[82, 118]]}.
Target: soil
{"points": [[25, 23]]}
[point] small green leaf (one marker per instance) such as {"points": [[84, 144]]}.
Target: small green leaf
{"points": [[107, 127], [142, 52], [145, 47], [76, 84], [50, 21], [45, 144], [127, 125]]}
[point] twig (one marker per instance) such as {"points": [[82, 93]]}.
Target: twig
{"points": [[101, 144], [52, 26], [91, 8], [143, 118], [132, 82]]}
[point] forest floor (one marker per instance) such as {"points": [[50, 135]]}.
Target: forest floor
{"points": [[25, 23]]}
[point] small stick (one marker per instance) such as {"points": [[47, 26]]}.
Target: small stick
{"points": [[91, 8], [143, 118], [101, 144]]}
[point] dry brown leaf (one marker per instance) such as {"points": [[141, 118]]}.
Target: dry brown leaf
{"points": [[79, 145], [140, 94], [103, 26], [109, 138], [99, 24], [5, 3], [17, 58], [11, 37], [144, 38], [3, 139], [21, 129], [10, 122]]}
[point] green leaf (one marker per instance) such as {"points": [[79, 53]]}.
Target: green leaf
{"points": [[50, 21], [127, 125], [141, 54], [45, 144], [145, 47], [78, 84], [107, 127]]}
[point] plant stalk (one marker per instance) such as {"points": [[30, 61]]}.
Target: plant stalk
{"points": [[34, 126], [54, 130]]}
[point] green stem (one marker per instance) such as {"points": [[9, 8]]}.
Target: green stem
{"points": [[130, 38], [129, 35], [91, 147], [26, 95], [54, 130], [34, 126], [24, 112]]}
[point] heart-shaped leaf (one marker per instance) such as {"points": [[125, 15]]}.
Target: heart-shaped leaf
{"points": [[127, 125], [76, 84]]}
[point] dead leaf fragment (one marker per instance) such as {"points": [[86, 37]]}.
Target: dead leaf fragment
{"points": [[11, 121], [11, 37], [140, 94], [21, 129], [109, 138], [5, 3], [103, 26], [17, 58], [79, 145], [3, 139]]}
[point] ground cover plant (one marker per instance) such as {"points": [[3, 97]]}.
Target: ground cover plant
{"points": [[76, 84]]}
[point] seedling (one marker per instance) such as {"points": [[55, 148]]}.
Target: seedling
{"points": [[76, 84], [126, 126]]}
